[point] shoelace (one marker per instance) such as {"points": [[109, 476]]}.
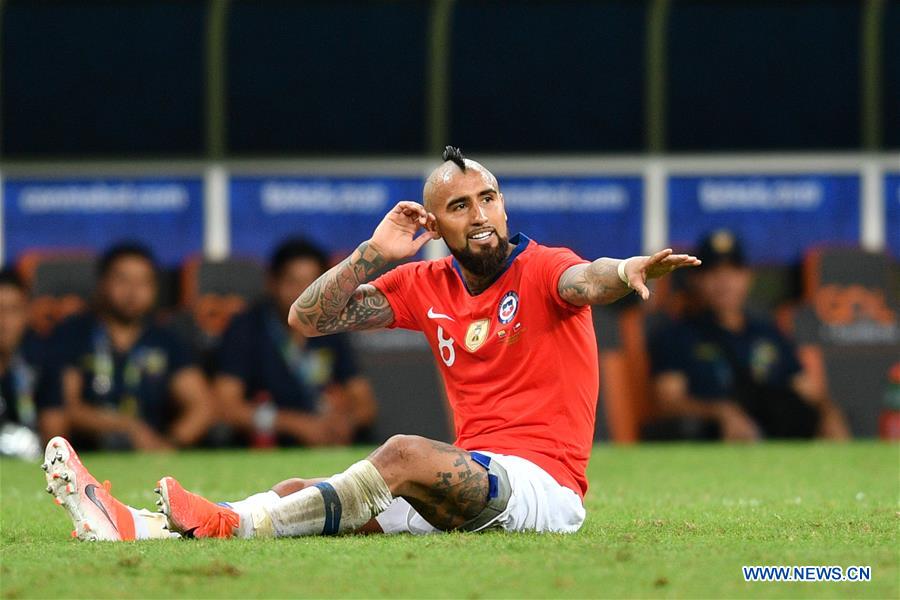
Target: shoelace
{"points": [[221, 524]]}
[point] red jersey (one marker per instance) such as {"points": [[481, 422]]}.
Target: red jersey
{"points": [[519, 362]]}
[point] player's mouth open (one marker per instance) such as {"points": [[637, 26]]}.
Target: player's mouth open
{"points": [[481, 236]]}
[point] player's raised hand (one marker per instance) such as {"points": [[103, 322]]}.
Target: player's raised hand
{"points": [[395, 237], [641, 269]]}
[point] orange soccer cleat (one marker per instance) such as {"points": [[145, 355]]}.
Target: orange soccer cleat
{"points": [[96, 514], [193, 515]]}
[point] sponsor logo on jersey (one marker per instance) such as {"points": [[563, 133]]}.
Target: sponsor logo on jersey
{"points": [[437, 315], [509, 306], [477, 334]]}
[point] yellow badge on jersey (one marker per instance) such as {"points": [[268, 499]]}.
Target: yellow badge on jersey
{"points": [[477, 334]]}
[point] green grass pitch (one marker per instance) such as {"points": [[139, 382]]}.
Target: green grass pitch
{"points": [[663, 521]]}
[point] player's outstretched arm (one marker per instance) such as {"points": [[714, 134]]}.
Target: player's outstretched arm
{"points": [[341, 300], [607, 279]]}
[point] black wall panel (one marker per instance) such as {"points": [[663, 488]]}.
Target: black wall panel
{"points": [[326, 77], [890, 33], [103, 78], [547, 76], [764, 74]]}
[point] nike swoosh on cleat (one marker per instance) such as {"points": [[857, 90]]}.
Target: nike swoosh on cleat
{"points": [[434, 315], [92, 496]]}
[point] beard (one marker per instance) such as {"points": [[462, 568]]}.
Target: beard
{"points": [[485, 263]]}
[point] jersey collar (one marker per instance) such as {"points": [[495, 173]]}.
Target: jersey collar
{"points": [[519, 242]]}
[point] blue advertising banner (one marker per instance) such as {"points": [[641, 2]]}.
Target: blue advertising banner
{"points": [[166, 214], [778, 217], [594, 216], [892, 213], [337, 213]]}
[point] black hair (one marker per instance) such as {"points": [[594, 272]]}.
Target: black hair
{"points": [[123, 250], [9, 277], [454, 154], [295, 249]]}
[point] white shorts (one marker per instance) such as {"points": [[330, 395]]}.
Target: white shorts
{"points": [[537, 503]]}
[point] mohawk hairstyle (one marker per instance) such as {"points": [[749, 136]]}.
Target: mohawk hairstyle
{"points": [[452, 153]]}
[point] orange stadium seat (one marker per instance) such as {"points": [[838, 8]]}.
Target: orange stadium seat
{"points": [[212, 292], [61, 283], [849, 329], [624, 371]]}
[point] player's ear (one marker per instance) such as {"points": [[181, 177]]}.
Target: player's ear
{"points": [[503, 204], [431, 225]]}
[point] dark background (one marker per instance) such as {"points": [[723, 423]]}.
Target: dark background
{"points": [[128, 79]]}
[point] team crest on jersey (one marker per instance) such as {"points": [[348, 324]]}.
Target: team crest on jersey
{"points": [[477, 333], [509, 306]]}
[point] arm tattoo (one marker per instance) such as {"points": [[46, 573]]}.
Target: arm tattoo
{"points": [[340, 300], [595, 283]]}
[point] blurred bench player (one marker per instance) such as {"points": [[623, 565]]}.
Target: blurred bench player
{"points": [[509, 322], [311, 389]]}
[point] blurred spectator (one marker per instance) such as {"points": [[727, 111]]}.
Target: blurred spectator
{"points": [[724, 374], [274, 384], [124, 381], [20, 370]]}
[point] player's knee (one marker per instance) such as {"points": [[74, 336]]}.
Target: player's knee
{"points": [[400, 449]]}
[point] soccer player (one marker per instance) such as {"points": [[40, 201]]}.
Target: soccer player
{"points": [[725, 373], [509, 322], [268, 376], [117, 375], [21, 384]]}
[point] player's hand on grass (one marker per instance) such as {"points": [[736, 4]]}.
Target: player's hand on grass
{"points": [[641, 269], [736, 425], [395, 237]]}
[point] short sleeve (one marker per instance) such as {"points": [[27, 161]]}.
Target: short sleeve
{"points": [[552, 263], [397, 285], [180, 357], [234, 355], [62, 351], [48, 392], [790, 363], [35, 351], [345, 366], [668, 350], [67, 342]]}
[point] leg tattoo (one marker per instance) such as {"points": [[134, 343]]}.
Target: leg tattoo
{"points": [[458, 492]]}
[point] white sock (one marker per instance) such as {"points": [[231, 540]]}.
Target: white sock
{"points": [[252, 502], [248, 506], [150, 525], [341, 503]]}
